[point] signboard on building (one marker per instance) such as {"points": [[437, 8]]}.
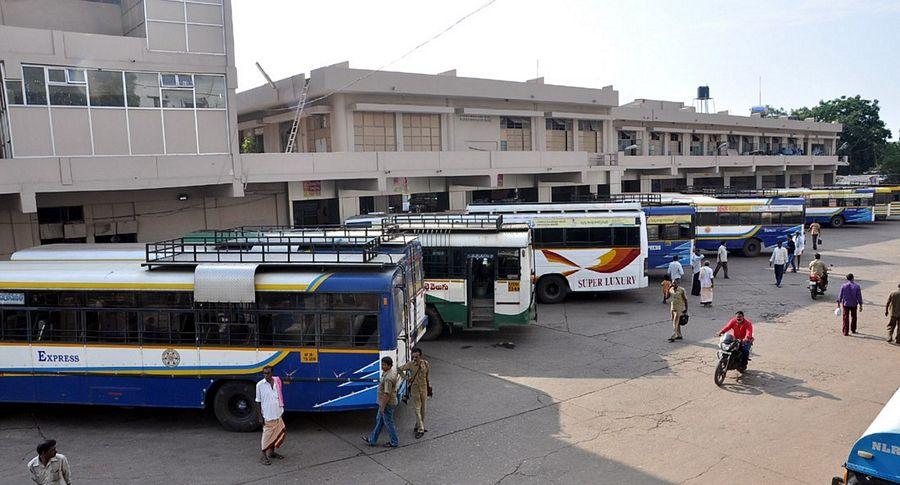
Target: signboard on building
{"points": [[312, 188], [401, 185]]}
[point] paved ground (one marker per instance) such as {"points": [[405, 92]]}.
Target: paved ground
{"points": [[592, 394]]}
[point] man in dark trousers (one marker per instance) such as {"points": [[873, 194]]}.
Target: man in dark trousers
{"points": [[849, 301], [791, 248]]}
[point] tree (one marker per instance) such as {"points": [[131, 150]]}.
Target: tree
{"points": [[249, 145], [889, 162], [865, 136], [773, 112]]}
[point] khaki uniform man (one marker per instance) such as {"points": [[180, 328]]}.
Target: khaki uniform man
{"points": [[416, 372], [679, 307]]}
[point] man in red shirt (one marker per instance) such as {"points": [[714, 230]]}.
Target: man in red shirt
{"points": [[742, 329]]}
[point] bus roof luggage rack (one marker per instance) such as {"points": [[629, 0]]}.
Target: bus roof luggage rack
{"points": [[731, 193], [284, 248], [643, 199], [401, 222]]}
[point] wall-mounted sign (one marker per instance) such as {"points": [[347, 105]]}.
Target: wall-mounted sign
{"points": [[12, 298], [312, 188]]}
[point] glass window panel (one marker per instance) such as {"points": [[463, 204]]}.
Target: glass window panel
{"points": [[56, 326], [354, 301], [671, 232], [156, 327], [653, 232], [601, 236], [185, 80], [165, 299], [14, 92], [729, 219], [118, 327], [177, 98], [336, 329], [508, 265], [549, 237], [106, 88], [210, 91], [75, 76], [13, 325], [288, 329], [142, 89], [67, 95], [35, 86], [108, 299], [169, 79], [56, 75]]}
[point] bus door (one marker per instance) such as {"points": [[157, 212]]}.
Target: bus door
{"points": [[507, 286], [481, 274]]}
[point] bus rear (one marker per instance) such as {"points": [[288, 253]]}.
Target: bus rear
{"points": [[670, 233]]}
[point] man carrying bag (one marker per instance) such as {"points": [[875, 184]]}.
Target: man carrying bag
{"points": [[416, 372]]}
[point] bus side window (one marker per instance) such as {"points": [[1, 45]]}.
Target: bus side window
{"points": [[549, 237], [365, 330], [56, 326], [729, 219], [687, 231], [13, 325], [792, 218], [287, 329], [508, 266], [707, 219], [578, 237], [436, 262], [336, 329], [111, 326], [671, 232], [601, 236], [155, 327], [653, 232], [183, 328]]}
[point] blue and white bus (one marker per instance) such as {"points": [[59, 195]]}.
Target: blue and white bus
{"points": [[875, 457], [836, 206], [191, 324], [670, 232], [749, 225]]}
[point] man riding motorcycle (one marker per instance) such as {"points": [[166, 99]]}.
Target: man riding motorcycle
{"points": [[818, 268], [742, 329]]}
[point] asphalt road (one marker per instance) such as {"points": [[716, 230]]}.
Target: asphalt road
{"points": [[591, 394]]}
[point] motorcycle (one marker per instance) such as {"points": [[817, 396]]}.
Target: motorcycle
{"points": [[731, 357], [817, 285]]}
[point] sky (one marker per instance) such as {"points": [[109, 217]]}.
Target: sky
{"points": [[804, 51]]}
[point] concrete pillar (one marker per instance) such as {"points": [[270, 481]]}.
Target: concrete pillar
{"points": [[615, 181], [545, 193], [610, 137], [398, 131], [459, 199], [704, 144], [271, 138], [689, 180], [740, 145], [341, 135], [726, 180], [447, 130], [787, 179], [645, 142], [646, 185], [665, 143], [349, 207], [576, 137], [759, 181], [381, 203], [538, 134]]}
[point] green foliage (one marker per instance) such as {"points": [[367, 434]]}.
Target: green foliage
{"points": [[773, 112], [864, 137], [889, 161], [249, 145]]}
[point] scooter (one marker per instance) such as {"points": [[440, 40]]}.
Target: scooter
{"points": [[731, 356], [817, 285]]}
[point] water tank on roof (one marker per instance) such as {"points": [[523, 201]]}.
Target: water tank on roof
{"points": [[703, 92]]}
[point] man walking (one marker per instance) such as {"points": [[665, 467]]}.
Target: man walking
{"points": [[791, 249], [892, 311], [779, 260], [674, 272], [49, 467], [696, 264], [387, 403], [679, 307], [800, 240], [721, 260], [849, 301], [814, 229], [416, 372], [706, 285], [271, 407]]}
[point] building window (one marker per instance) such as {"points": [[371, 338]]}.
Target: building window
{"points": [[559, 135], [374, 132], [14, 93], [67, 87], [35, 85], [61, 224], [177, 98], [106, 88], [318, 134], [515, 134], [591, 136], [142, 89], [421, 132], [210, 91]]}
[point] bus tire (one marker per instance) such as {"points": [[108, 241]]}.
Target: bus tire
{"points": [[552, 289], [435, 324], [235, 408], [837, 221], [752, 248]]}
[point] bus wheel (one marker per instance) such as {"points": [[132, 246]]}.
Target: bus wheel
{"points": [[552, 289], [235, 407], [752, 248], [435, 325], [837, 221]]}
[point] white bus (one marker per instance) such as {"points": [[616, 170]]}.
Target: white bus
{"points": [[478, 269], [581, 247]]}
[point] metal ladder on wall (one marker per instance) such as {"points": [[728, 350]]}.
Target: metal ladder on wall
{"points": [[295, 127]]}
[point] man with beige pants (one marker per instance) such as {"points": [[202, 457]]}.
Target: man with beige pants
{"points": [[679, 307], [416, 373]]}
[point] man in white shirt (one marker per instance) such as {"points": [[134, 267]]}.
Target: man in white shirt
{"points": [[270, 409], [779, 259], [696, 264], [800, 241], [706, 285], [721, 260], [49, 467]]}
